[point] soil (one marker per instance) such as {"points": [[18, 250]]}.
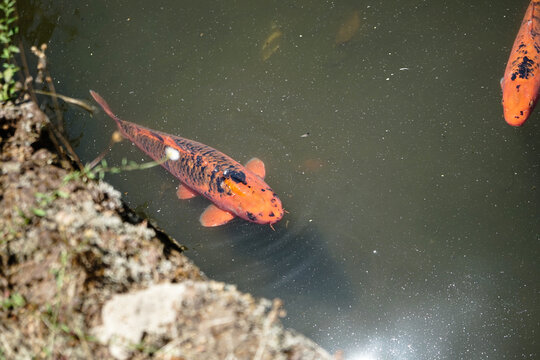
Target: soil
{"points": [[82, 277]]}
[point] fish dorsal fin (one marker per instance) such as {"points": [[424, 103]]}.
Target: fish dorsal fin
{"points": [[257, 167], [185, 193], [214, 216]]}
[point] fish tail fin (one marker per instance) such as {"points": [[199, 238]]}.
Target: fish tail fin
{"points": [[104, 106]]}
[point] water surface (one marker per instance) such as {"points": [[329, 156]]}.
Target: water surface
{"points": [[414, 225]]}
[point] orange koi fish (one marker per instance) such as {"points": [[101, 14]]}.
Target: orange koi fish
{"points": [[234, 190], [521, 81]]}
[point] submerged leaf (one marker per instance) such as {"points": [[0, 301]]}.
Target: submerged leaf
{"points": [[39, 212]]}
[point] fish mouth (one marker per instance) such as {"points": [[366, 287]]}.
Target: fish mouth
{"points": [[269, 214], [269, 221], [264, 217], [516, 119]]}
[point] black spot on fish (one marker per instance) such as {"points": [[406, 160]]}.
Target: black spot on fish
{"points": [[251, 216], [179, 142], [517, 88], [236, 176], [263, 190], [157, 136], [219, 187], [271, 214], [525, 69], [198, 160], [537, 48], [208, 152], [521, 113]]}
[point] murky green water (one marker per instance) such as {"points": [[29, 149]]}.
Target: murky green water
{"points": [[414, 225]]}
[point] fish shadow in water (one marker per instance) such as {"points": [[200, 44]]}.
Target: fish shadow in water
{"points": [[292, 263]]}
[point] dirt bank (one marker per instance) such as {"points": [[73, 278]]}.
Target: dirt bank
{"points": [[83, 277]]}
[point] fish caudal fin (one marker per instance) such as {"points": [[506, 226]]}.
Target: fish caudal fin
{"points": [[257, 167], [214, 216], [185, 193], [104, 105]]}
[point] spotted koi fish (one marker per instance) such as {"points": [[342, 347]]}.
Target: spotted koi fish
{"points": [[521, 81], [233, 189]]}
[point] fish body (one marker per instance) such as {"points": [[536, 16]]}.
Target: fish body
{"points": [[521, 81], [272, 42], [235, 190], [348, 28]]}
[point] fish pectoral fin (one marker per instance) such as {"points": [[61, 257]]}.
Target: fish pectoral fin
{"points": [[256, 166], [214, 216], [502, 82], [185, 193]]}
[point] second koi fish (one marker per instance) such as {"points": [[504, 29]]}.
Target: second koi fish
{"points": [[235, 190], [521, 81]]}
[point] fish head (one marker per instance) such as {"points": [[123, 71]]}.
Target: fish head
{"points": [[518, 102], [250, 198]]}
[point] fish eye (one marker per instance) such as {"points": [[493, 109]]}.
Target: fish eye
{"points": [[236, 176]]}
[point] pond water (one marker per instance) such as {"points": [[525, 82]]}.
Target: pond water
{"points": [[413, 223]]}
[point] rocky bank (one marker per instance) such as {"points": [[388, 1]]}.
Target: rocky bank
{"points": [[82, 277]]}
